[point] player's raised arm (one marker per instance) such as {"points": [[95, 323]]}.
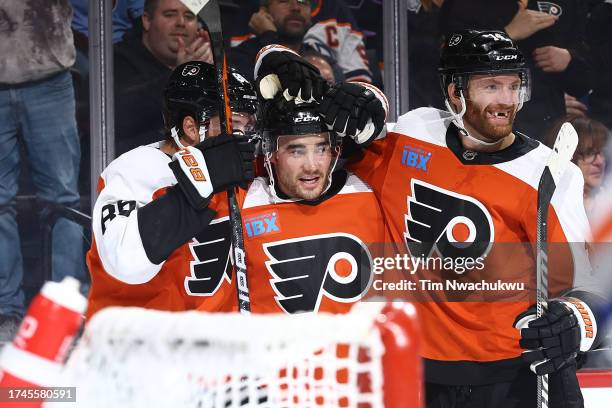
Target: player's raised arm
{"points": [[155, 198]]}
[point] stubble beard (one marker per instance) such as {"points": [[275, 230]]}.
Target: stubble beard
{"points": [[290, 186], [477, 118]]}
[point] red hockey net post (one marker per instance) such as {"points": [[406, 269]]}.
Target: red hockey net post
{"points": [[137, 357], [403, 371]]}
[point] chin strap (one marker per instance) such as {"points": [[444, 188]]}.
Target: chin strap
{"points": [[271, 182], [176, 138], [458, 120], [175, 135]]}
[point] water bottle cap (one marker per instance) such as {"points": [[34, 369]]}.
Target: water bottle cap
{"points": [[66, 293]]}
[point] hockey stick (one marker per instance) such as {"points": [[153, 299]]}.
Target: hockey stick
{"points": [[561, 155], [208, 11]]}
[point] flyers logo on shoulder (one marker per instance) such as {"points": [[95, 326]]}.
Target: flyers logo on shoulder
{"points": [[211, 264], [451, 224], [305, 270]]}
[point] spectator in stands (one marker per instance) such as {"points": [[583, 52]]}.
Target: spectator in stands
{"points": [[277, 22], [143, 62], [330, 29], [323, 64], [574, 108], [125, 13], [589, 157], [600, 42], [553, 38], [37, 108]]}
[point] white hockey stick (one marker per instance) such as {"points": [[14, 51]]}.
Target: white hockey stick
{"points": [[561, 155]]}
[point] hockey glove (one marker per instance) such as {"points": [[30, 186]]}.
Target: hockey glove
{"points": [[279, 69], [355, 109], [216, 164], [554, 340]]}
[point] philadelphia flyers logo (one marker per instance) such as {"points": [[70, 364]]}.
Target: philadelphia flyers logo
{"points": [[211, 265], [453, 225], [304, 270], [550, 8]]}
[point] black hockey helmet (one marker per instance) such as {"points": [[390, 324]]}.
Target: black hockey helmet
{"points": [[469, 52], [192, 90], [284, 118]]}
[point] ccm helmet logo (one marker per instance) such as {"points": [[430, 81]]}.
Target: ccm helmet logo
{"points": [[505, 57], [305, 119]]}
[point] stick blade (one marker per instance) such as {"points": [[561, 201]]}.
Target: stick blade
{"points": [[195, 5], [563, 150]]}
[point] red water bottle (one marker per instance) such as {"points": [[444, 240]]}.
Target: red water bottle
{"points": [[37, 354]]}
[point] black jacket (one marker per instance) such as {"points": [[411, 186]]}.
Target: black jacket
{"points": [[139, 82], [600, 40], [547, 102]]}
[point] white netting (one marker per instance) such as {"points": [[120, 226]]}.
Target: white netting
{"points": [[131, 357]]}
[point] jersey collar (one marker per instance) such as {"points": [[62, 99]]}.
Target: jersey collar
{"points": [[522, 145]]}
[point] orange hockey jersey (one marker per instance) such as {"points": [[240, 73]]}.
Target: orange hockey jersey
{"points": [[300, 257], [442, 201], [309, 257]]}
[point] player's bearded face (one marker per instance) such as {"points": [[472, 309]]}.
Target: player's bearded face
{"points": [[302, 165], [492, 103]]}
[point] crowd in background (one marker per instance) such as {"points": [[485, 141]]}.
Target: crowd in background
{"points": [[44, 101]]}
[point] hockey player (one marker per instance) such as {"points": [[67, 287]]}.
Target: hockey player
{"points": [[149, 243], [458, 184], [307, 225]]}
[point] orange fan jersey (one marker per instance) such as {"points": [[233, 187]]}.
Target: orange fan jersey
{"points": [[300, 257], [441, 200]]}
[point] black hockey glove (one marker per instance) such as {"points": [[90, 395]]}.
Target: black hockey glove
{"points": [[280, 69], [355, 109], [216, 164], [554, 340]]}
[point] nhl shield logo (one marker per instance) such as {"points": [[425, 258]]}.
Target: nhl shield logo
{"points": [[190, 70], [469, 155], [454, 40], [550, 8]]}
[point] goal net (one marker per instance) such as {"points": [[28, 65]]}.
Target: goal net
{"points": [[131, 357]]}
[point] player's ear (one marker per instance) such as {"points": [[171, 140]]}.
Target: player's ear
{"points": [[190, 129], [273, 158], [453, 95]]}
